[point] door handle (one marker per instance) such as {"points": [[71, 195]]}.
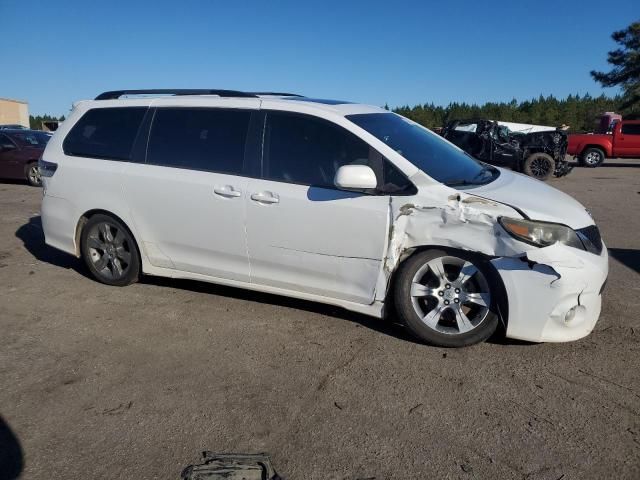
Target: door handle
{"points": [[265, 197], [227, 191]]}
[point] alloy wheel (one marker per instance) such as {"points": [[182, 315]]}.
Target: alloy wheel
{"points": [[450, 295], [540, 167], [109, 250], [33, 175], [592, 158]]}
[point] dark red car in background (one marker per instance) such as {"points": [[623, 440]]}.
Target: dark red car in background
{"points": [[19, 154]]}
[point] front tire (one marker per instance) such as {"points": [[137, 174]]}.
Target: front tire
{"points": [[539, 166], [592, 157], [447, 299], [109, 251]]}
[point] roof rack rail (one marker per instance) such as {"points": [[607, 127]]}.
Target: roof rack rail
{"points": [[173, 91], [277, 94]]}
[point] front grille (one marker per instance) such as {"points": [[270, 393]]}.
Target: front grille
{"points": [[592, 234]]}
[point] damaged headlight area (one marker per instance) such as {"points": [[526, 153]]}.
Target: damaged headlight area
{"points": [[541, 234]]}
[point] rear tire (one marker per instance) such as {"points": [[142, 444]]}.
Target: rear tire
{"points": [[33, 174], [539, 166], [447, 299], [592, 157], [109, 251]]}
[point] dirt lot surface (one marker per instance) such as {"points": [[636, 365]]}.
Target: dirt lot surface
{"points": [[104, 382]]}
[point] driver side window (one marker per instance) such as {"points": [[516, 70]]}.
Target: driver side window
{"points": [[306, 150]]}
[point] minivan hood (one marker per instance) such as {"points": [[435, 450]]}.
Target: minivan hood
{"points": [[536, 199]]}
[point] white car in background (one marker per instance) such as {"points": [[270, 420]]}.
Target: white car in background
{"points": [[324, 200]]}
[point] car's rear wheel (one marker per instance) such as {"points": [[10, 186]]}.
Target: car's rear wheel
{"points": [[539, 165], [592, 157], [33, 174], [110, 252], [447, 299]]}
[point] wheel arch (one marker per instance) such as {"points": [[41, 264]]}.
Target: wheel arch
{"points": [[28, 163], [603, 148], [502, 302], [537, 149], [84, 218]]}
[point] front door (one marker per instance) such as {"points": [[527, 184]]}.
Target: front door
{"points": [[187, 201], [627, 142], [302, 233]]}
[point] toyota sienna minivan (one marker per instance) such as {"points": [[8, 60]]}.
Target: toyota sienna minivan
{"points": [[324, 200]]}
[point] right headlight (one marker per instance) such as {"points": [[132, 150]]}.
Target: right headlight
{"points": [[541, 234]]}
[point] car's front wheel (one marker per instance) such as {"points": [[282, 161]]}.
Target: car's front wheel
{"points": [[447, 299], [109, 251]]}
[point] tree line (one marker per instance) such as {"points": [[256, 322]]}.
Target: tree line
{"points": [[578, 112], [35, 122]]}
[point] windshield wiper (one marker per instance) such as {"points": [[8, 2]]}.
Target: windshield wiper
{"points": [[459, 182]]}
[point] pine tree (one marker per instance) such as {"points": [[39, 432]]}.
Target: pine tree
{"points": [[626, 68]]}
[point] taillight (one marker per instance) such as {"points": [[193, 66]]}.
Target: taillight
{"points": [[47, 169]]}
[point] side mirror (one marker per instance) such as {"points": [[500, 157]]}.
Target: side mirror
{"points": [[355, 177]]}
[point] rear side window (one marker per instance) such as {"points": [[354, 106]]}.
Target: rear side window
{"points": [[308, 151], [631, 128], [199, 138], [5, 142], [105, 133]]}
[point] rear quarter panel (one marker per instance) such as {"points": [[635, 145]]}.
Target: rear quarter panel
{"points": [[80, 184]]}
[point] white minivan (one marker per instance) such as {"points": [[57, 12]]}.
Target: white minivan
{"points": [[324, 200]]}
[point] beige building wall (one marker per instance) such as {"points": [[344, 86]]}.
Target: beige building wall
{"points": [[14, 111]]}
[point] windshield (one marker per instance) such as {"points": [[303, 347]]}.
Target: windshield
{"points": [[426, 150]]}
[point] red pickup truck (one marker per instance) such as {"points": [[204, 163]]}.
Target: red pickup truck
{"points": [[591, 149]]}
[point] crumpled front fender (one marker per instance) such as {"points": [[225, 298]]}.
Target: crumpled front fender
{"points": [[553, 293]]}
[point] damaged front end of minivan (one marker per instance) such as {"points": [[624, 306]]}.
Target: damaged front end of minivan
{"points": [[553, 293]]}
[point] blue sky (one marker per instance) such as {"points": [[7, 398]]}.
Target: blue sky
{"points": [[395, 52]]}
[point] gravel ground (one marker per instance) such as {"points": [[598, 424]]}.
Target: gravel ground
{"points": [[103, 382]]}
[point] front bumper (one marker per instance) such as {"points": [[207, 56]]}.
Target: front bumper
{"points": [[554, 293], [562, 168]]}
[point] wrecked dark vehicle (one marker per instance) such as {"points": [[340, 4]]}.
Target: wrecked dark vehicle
{"points": [[537, 154]]}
